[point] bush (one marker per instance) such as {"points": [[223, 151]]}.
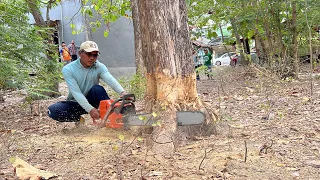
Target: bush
{"points": [[26, 49], [135, 84]]}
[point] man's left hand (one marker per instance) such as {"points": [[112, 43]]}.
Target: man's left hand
{"points": [[123, 93]]}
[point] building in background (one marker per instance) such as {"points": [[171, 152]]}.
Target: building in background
{"points": [[117, 50]]}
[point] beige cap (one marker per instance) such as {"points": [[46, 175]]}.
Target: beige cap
{"points": [[89, 46]]}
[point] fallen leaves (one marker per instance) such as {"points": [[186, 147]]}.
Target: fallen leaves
{"points": [[294, 128], [305, 100]]}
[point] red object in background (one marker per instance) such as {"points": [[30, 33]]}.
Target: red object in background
{"points": [[114, 120], [234, 58]]}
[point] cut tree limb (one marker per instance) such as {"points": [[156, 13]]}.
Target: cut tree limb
{"points": [[23, 170]]}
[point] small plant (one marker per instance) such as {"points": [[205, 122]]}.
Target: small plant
{"points": [[135, 84], [204, 70], [280, 115]]}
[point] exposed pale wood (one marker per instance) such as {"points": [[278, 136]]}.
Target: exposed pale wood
{"points": [[166, 53]]}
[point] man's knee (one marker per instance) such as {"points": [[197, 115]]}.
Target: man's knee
{"points": [[52, 112], [97, 91], [98, 88]]}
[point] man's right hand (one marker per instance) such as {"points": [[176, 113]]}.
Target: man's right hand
{"points": [[94, 113]]}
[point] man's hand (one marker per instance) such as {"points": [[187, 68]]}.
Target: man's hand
{"points": [[123, 93], [94, 113]]}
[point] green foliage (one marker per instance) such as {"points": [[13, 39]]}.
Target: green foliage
{"points": [[7, 72], [106, 11], [25, 50], [271, 21], [203, 70], [135, 84]]}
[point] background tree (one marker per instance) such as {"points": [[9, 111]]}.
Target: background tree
{"points": [[137, 37], [24, 52], [48, 30], [274, 25]]}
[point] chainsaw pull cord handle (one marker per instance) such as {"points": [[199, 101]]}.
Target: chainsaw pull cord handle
{"points": [[123, 99]]}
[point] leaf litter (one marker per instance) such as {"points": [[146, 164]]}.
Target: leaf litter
{"points": [[278, 120]]}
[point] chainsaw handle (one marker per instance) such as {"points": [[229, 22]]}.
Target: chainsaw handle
{"points": [[128, 97], [125, 99]]}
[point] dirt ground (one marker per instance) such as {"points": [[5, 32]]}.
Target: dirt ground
{"points": [[267, 129]]}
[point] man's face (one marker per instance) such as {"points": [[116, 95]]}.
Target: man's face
{"points": [[87, 59], [72, 42], [63, 44], [206, 51]]}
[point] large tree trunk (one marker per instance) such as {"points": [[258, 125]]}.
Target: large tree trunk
{"points": [[166, 53]]}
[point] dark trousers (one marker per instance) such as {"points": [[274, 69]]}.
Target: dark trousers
{"points": [[197, 73], [70, 111], [209, 72], [74, 57]]}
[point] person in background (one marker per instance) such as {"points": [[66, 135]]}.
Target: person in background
{"points": [[65, 54], [73, 50], [82, 77], [196, 63], [207, 62]]}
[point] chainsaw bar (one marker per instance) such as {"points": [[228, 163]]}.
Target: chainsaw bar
{"points": [[184, 118]]}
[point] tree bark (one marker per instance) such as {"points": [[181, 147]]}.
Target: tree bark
{"points": [[87, 28], [167, 56], [36, 13], [294, 39], [263, 52], [137, 38], [270, 47], [277, 20], [239, 44]]}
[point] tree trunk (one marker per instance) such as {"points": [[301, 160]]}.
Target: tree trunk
{"points": [[36, 13], [270, 47], [137, 38], [294, 39], [239, 44], [167, 56], [225, 47], [263, 52], [87, 28]]}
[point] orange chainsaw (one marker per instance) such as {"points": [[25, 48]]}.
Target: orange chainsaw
{"points": [[121, 113], [112, 111]]}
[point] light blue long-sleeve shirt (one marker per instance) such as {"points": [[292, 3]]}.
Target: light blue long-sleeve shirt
{"points": [[80, 80]]}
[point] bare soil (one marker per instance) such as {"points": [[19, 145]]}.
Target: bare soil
{"points": [[267, 129]]}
